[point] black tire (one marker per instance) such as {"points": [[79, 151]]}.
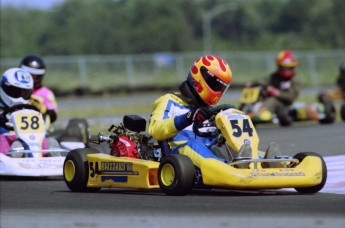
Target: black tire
{"points": [[176, 175], [77, 130], [316, 188], [76, 170], [342, 111], [284, 118], [329, 112]]}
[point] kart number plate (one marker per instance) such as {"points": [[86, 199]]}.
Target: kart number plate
{"points": [[250, 95], [29, 123]]}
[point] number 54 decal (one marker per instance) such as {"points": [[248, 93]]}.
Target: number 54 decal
{"points": [[239, 130]]}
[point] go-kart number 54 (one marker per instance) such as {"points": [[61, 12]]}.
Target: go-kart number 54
{"points": [[238, 130]]}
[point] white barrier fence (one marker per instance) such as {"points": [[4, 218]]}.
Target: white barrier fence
{"points": [[315, 69]]}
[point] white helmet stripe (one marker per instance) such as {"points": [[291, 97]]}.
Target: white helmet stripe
{"points": [[33, 70]]}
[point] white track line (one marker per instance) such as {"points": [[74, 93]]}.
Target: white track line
{"points": [[335, 174], [335, 182]]}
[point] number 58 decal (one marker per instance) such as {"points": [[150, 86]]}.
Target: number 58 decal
{"points": [[239, 130], [27, 122], [30, 122]]}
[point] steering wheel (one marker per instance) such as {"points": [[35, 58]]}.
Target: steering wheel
{"points": [[16, 108], [197, 127], [218, 108]]}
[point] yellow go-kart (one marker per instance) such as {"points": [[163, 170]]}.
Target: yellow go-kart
{"points": [[251, 103], [135, 161]]}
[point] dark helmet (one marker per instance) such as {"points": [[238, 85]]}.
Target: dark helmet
{"points": [[35, 65]]}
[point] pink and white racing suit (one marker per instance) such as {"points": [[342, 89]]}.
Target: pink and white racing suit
{"points": [[46, 97]]}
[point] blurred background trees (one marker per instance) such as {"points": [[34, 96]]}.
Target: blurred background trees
{"points": [[75, 27]]}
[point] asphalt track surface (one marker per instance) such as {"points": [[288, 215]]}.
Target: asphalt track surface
{"points": [[49, 203]]}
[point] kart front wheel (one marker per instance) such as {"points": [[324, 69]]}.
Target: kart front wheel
{"points": [[76, 170], [176, 175], [316, 188]]}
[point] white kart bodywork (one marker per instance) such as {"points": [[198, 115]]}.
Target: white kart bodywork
{"points": [[32, 161], [33, 166]]}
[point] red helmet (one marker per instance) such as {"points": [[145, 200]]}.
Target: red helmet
{"points": [[286, 64], [210, 76]]}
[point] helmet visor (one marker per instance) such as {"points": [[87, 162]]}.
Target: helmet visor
{"points": [[16, 92], [283, 68], [212, 81]]}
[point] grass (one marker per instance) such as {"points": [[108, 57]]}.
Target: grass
{"points": [[116, 110], [105, 111], [113, 110]]}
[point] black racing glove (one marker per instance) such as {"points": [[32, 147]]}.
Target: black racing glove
{"points": [[199, 115], [222, 107]]}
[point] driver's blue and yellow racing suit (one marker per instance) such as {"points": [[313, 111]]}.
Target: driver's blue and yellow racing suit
{"points": [[168, 123]]}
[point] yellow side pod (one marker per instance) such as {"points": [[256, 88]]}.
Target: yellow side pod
{"points": [[306, 174], [107, 171]]}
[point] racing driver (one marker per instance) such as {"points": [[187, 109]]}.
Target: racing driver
{"points": [[282, 87], [42, 97], [174, 114], [16, 87]]}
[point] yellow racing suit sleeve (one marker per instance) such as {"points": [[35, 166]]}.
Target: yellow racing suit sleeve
{"points": [[166, 121]]}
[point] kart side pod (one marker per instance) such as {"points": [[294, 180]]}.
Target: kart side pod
{"points": [[305, 174]]}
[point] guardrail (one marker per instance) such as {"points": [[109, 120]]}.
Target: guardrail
{"points": [[127, 73]]}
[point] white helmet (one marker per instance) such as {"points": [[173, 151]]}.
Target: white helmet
{"points": [[16, 87]]}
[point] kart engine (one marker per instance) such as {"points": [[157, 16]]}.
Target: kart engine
{"points": [[125, 143]]}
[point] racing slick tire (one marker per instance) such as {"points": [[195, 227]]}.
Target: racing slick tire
{"points": [[329, 112], [76, 170], [316, 188], [176, 175], [284, 117], [342, 111]]}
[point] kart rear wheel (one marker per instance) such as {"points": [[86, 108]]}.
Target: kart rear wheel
{"points": [[285, 119], [329, 112], [316, 188], [342, 111], [176, 175], [76, 170]]}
